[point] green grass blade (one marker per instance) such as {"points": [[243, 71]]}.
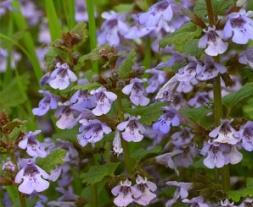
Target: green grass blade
{"points": [[92, 29], [69, 10], [53, 21], [29, 56], [27, 39]]}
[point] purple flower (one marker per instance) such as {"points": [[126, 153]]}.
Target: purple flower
{"points": [[213, 42], [125, 193], [4, 59], [67, 117], [181, 138], [55, 174], [82, 100], [147, 190], [137, 92], [158, 78], [182, 188], [91, 131], [48, 102], [196, 202], [200, 99], [132, 130], [33, 147], [113, 29], [186, 77], [44, 35], [239, 27], [227, 203], [67, 194], [5, 6], [31, 178], [9, 166], [167, 120], [224, 133], [117, 147], [246, 136], [167, 159], [246, 57], [210, 70], [158, 16], [104, 100], [31, 12], [137, 30], [81, 14], [61, 77], [218, 155], [182, 191], [215, 157], [247, 202]]}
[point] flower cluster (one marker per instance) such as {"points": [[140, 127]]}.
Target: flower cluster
{"points": [[166, 96]]}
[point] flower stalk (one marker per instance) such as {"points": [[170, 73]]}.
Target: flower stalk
{"points": [[217, 109], [92, 29]]}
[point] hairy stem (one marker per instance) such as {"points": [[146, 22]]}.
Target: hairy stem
{"points": [[92, 29], [217, 100], [217, 110], [127, 160], [147, 53], [22, 200], [210, 12], [94, 193]]}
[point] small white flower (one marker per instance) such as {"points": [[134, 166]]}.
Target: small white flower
{"points": [[104, 100], [137, 92], [239, 27], [213, 42], [117, 147], [224, 134], [132, 129], [147, 189], [33, 147], [125, 193], [31, 178], [61, 77], [92, 131]]}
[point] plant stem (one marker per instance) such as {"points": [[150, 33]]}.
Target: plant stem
{"points": [[94, 193], [217, 110], [147, 53], [217, 100], [92, 29], [22, 200], [126, 155], [210, 12]]}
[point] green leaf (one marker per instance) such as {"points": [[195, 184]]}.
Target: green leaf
{"points": [[10, 96], [191, 48], [248, 109], [53, 160], [89, 86], [27, 40], [97, 173], [124, 8], [81, 30], [182, 37], [53, 20], [198, 116], [140, 153], [53, 54], [235, 99], [149, 113], [219, 6], [236, 195], [126, 67]]}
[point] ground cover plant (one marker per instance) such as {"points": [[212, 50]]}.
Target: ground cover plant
{"points": [[126, 103]]}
